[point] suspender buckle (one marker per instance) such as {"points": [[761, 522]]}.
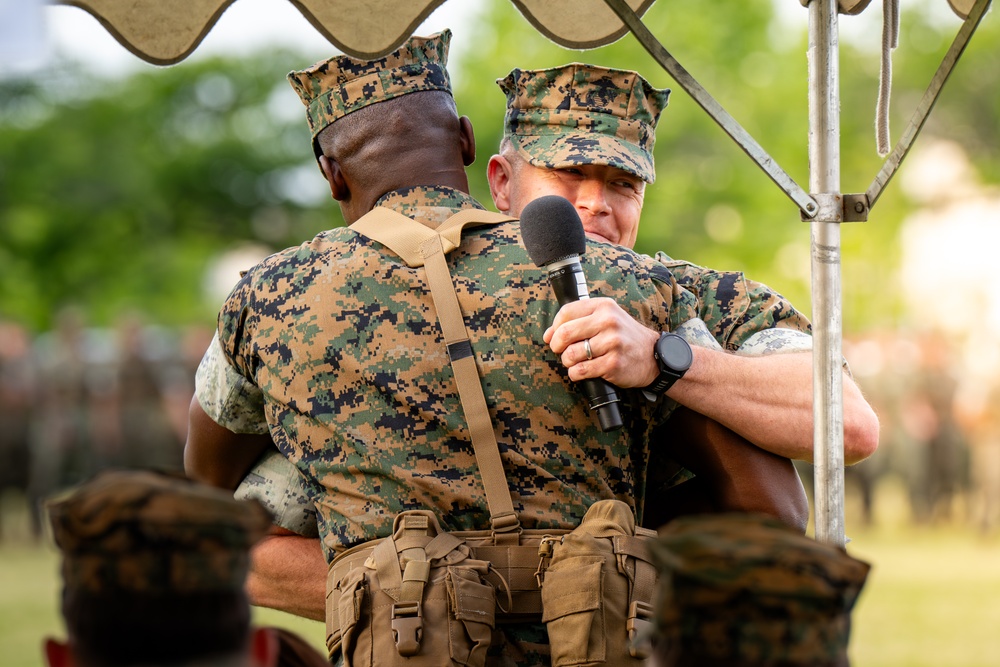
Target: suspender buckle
{"points": [[407, 627]]}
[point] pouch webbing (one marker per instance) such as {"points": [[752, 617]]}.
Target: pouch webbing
{"points": [[419, 245]]}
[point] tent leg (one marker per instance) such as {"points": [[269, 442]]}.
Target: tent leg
{"points": [[824, 179]]}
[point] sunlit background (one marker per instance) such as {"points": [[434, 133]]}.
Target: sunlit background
{"points": [[131, 196]]}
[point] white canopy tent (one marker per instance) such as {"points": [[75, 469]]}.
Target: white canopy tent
{"points": [[165, 32]]}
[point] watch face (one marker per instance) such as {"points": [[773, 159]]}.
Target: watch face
{"points": [[675, 352]]}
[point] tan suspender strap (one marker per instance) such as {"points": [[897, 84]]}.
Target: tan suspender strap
{"points": [[404, 235], [470, 388], [420, 245]]}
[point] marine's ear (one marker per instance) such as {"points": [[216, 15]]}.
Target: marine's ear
{"points": [[468, 139], [499, 173], [335, 177]]}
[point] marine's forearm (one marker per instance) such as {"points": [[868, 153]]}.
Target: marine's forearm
{"points": [[288, 573], [215, 455], [769, 401]]}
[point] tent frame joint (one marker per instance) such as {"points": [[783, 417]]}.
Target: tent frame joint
{"points": [[830, 207]]}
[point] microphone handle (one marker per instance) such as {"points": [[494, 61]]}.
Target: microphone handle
{"points": [[569, 284]]}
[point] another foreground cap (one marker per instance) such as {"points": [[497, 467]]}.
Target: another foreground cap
{"points": [[148, 532], [333, 88], [581, 114], [747, 589]]}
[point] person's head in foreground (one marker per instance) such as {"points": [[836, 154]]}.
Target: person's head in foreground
{"points": [[745, 590], [153, 573]]}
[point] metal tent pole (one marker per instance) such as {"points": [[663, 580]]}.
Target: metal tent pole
{"points": [[824, 182]]}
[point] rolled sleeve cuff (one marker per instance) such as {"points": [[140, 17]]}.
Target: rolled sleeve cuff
{"points": [[278, 485], [776, 341], [696, 332], [226, 396]]}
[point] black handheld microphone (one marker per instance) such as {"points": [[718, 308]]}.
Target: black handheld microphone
{"points": [[554, 238]]}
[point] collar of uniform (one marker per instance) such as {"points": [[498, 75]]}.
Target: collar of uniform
{"points": [[427, 204]]}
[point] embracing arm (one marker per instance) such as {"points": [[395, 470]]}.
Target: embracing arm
{"points": [[288, 573], [766, 399], [288, 570], [731, 475], [769, 400], [215, 455]]}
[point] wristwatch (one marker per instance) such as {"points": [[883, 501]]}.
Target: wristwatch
{"points": [[673, 356]]}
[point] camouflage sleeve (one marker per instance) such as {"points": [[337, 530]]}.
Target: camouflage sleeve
{"points": [[733, 307], [226, 396], [279, 486], [776, 341], [696, 332]]}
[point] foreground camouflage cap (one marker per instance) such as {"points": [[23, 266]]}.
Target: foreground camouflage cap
{"points": [[747, 589], [333, 88], [582, 114], [149, 532]]}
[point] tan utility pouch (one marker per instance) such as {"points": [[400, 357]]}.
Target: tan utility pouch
{"points": [[418, 598], [597, 590]]}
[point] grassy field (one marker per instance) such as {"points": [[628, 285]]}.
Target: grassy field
{"points": [[932, 598]]}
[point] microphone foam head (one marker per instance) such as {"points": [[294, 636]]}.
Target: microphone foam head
{"points": [[551, 230]]}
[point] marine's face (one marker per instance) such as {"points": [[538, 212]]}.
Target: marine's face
{"points": [[608, 199]]}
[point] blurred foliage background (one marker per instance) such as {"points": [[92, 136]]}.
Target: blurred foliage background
{"points": [[126, 193]]}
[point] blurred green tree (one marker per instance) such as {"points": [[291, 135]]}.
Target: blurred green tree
{"points": [[118, 195], [115, 195]]}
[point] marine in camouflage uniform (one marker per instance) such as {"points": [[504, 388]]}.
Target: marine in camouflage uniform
{"points": [[743, 590], [153, 569], [360, 397], [581, 114], [578, 115], [333, 348]]}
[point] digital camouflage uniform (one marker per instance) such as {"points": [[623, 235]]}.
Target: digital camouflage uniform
{"points": [[558, 117], [747, 590], [342, 340], [334, 348]]}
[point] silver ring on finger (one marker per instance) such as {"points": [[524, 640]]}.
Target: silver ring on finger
{"points": [[586, 348]]}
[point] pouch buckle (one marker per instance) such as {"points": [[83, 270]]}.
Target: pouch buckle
{"points": [[639, 626], [407, 628]]}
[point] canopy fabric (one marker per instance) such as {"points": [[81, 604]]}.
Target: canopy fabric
{"points": [[164, 32]]}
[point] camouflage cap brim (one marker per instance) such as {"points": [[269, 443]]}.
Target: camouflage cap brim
{"points": [[561, 150]]}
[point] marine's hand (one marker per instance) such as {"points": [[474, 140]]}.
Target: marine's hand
{"points": [[621, 348]]}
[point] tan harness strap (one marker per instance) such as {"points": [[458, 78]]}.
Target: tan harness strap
{"points": [[419, 245], [404, 235]]}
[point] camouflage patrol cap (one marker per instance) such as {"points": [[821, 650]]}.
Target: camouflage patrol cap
{"points": [[146, 532], [747, 589], [333, 88], [582, 114]]}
